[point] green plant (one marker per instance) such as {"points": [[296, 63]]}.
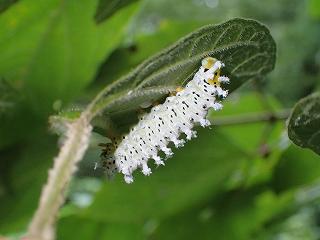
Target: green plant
{"points": [[243, 184]]}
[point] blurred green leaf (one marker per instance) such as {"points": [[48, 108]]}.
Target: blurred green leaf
{"points": [[241, 105], [5, 4], [145, 45], [295, 168], [106, 8], [296, 59], [81, 228], [13, 116], [245, 46], [301, 225], [13, 126], [8, 98], [235, 215], [304, 123], [262, 138], [53, 48], [314, 8], [24, 175]]}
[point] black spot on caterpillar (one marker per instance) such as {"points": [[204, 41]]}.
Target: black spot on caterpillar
{"points": [[166, 122]]}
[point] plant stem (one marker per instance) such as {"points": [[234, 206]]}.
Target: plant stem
{"points": [[42, 226], [251, 118], [65, 164]]}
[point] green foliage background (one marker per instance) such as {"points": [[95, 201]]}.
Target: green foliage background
{"points": [[236, 181]]}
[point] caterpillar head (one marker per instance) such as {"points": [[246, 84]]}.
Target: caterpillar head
{"points": [[208, 63]]}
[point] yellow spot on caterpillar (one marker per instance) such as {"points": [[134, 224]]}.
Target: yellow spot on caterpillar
{"points": [[179, 89], [208, 62], [215, 81]]}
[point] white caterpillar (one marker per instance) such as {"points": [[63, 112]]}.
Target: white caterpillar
{"points": [[165, 123]]}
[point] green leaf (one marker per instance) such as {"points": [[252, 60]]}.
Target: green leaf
{"points": [[131, 100], [25, 168], [13, 116], [80, 228], [107, 8], [8, 98], [235, 215], [245, 46], [302, 63], [314, 8], [295, 168], [53, 48], [145, 45], [304, 123], [5, 4]]}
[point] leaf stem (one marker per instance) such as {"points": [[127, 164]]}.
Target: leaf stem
{"points": [[251, 118]]}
